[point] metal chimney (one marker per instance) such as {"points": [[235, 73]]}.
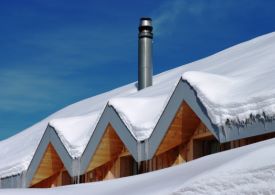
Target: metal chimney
{"points": [[145, 66]]}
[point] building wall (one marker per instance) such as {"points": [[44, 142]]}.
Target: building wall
{"points": [[15, 181], [49, 171], [186, 139]]}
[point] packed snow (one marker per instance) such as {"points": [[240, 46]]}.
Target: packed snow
{"points": [[246, 170], [140, 127], [241, 82], [222, 81], [75, 132]]}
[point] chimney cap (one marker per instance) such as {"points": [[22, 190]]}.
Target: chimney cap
{"points": [[146, 18], [145, 24]]}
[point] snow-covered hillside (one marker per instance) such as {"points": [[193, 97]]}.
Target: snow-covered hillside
{"points": [[222, 82], [246, 170]]}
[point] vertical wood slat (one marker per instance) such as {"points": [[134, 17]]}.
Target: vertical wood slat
{"points": [[49, 169], [108, 149], [180, 130]]}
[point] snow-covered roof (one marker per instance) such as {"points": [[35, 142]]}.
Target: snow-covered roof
{"points": [[233, 86]]}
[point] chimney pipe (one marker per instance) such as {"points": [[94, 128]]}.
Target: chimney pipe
{"points": [[145, 67]]}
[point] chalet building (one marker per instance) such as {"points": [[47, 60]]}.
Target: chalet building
{"points": [[167, 122]]}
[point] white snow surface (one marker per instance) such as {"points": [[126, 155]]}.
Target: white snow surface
{"points": [[232, 84], [75, 132], [237, 82], [245, 170]]}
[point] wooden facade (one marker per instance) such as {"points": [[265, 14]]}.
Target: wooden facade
{"points": [[186, 139], [49, 171], [105, 164]]}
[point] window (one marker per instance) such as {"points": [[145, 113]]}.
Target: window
{"points": [[205, 147]]}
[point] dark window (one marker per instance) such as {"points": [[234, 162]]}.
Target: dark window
{"points": [[205, 147], [66, 178], [127, 164]]}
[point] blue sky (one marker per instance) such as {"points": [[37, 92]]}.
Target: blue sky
{"points": [[56, 52]]}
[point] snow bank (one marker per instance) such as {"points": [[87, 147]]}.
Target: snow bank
{"points": [[252, 173], [246, 170]]}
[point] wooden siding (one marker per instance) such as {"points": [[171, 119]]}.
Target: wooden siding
{"points": [[48, 170], [180, 130], [202, 132], [166, 159], [191, 148], [119, 166], [108, 149], [251, 140]]}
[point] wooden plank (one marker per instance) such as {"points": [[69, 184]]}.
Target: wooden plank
{"points": [[48, 182], [163, 160], [109, 148], [50, 165], [203, 135], [125, 153], [180, 130]]}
